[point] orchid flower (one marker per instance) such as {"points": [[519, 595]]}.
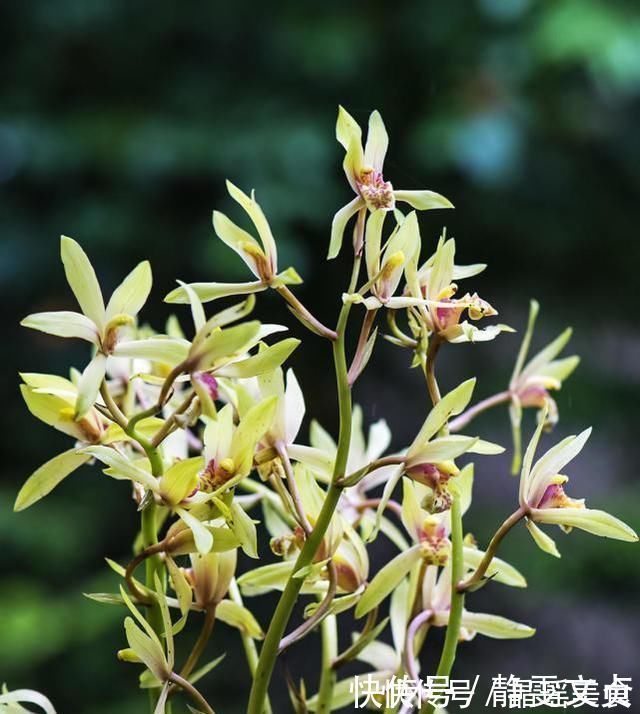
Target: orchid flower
{"points": [[531, 383], [543, 498], [260, 256], [430, 544], [363, 168], [430, 458], [436, 598], [386, 266], [442, 312], [96, 324], [53, 400]]}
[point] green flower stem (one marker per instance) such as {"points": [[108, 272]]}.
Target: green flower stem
{"points": [[491, 551], [248, 643], [269, 651], [329, 630], [149, 526], [457, 598], [153, 564]]}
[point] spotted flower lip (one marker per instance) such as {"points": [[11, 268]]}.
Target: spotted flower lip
{"points": [[543, 498], [364, 171]]}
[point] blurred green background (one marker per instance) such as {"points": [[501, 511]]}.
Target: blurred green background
{"points": [[119, 122]]}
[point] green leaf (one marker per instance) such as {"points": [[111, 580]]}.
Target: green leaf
{"points": [[48, 476], [82, 280], [239, 617], [387, 579], [63, 324]]}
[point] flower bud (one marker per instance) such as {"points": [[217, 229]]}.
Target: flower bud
{"points": [[352, 565], [128, 655], [210, 576]]}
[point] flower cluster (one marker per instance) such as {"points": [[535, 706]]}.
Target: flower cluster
{"points": [[237, 499]]}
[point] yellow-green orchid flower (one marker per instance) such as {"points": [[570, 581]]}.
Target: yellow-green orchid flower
{"points": [[531, 384], [430, 458], [97, 324], [260, 256], [53, 400], [229, 448], [363, 168], [442, 312], [543, 498], [436, 598], [385, 267]]}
